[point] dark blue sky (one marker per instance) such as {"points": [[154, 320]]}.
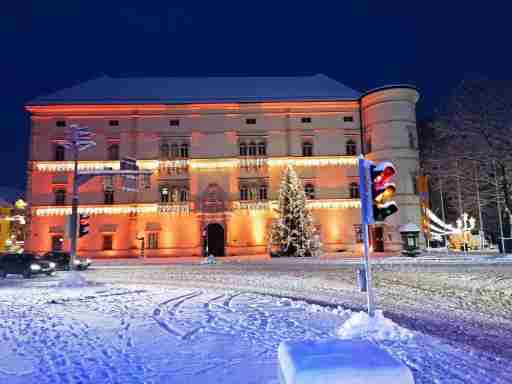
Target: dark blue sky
{"points": [[434, 45]]}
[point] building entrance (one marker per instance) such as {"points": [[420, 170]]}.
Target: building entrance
{"points": [[215, 239]]}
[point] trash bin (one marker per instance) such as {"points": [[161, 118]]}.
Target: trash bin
{"points": [[507, 243], [410, 239]]}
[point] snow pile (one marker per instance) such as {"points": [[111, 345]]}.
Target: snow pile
{"points": [[73, 279], [362, 326]]}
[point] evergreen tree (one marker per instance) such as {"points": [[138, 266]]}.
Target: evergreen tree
{"points": [[293, 230]]}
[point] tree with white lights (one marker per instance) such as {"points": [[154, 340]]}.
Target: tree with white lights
{"points": [[293, 231]]}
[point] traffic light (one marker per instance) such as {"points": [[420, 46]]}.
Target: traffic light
{"points": [[83, 225], [383, 190]]}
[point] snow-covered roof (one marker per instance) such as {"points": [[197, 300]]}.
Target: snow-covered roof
{"points": [[182, 90]]}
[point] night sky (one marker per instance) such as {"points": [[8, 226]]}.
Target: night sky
{"points": [[47, 45]]}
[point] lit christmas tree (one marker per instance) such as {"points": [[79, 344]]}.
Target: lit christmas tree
{"points": [[293, 231]]}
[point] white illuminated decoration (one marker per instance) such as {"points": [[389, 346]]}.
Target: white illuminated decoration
{"points": [[465, 223], [98, 210], [311, 204], [183, 208], [202, 164]]}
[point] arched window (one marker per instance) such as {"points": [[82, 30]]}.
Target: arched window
{"points": [[354, 190], [307, 148], [263, 192], [164, 151], [184, 194], [412, 138], [164, 194], [309, 190], [113, 152], [184, 150], [252, 148], [262, 148], [174, 151], [244, 193], [350, 148], [60, 153], [243, 149]]}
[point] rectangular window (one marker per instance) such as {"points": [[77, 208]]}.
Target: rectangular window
{"points": [[57, 242], [174, 123], [348, 119], [305, 120], [109, 197], [108, 242], [113, 123], [307, 148], [60, 196], [250, 121], [60, 123], [358, 233], [153, 240]]}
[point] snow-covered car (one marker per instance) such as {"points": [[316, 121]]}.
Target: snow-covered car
{"points": [[26, 264], [61, 259]]}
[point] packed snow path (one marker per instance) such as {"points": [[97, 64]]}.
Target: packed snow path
{"points": [[155, 334]]}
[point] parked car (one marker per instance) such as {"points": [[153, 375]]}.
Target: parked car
{"points": [[61, 259], [26, 264]]}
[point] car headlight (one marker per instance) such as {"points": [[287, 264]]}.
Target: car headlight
{"points": [[35, 267], [52, 264], [88, 261], [76, 262]]}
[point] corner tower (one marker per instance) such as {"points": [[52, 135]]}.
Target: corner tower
{"points": [[389, 134]]}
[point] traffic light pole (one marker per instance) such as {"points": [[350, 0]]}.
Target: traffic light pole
{"points": [[368, 272], [74, 208]]}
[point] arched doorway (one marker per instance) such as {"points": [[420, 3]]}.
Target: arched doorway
{"points": [[215, 239]]}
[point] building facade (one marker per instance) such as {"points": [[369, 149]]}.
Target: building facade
{"points": [[216, 148]]}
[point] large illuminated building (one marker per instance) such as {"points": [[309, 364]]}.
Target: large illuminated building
{"points": [[217, 148]]}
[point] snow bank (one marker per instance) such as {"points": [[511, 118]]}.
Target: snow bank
{"points": [[362, 326], [73, 279]]}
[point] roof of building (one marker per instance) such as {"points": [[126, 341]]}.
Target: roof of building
{"points": [[183, 90]]}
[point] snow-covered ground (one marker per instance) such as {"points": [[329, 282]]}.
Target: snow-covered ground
{"points": [[149, 333]]}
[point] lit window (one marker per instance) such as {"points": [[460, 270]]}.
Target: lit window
{"points": [[174, 123], [113, 152], [348, 119], [60, 153], [175, 194], [164, 194], [108, 242], [164, 151], [244, 193], [350, 148], [153, 240], [309, 190], [243, 149], [113, 123], [60, 196], [109, 197], [263, 192], [305, 120], [253, 193], [60, 123], [57, 242], [184, 150], [252, 149], [307, 148], [250, 121], [262, 148], [354, 190]]}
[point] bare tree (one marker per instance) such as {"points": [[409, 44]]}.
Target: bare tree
{"points": [[469, 147]]}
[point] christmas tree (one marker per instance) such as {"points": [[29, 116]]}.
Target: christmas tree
{"points": [[293, 231]]}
